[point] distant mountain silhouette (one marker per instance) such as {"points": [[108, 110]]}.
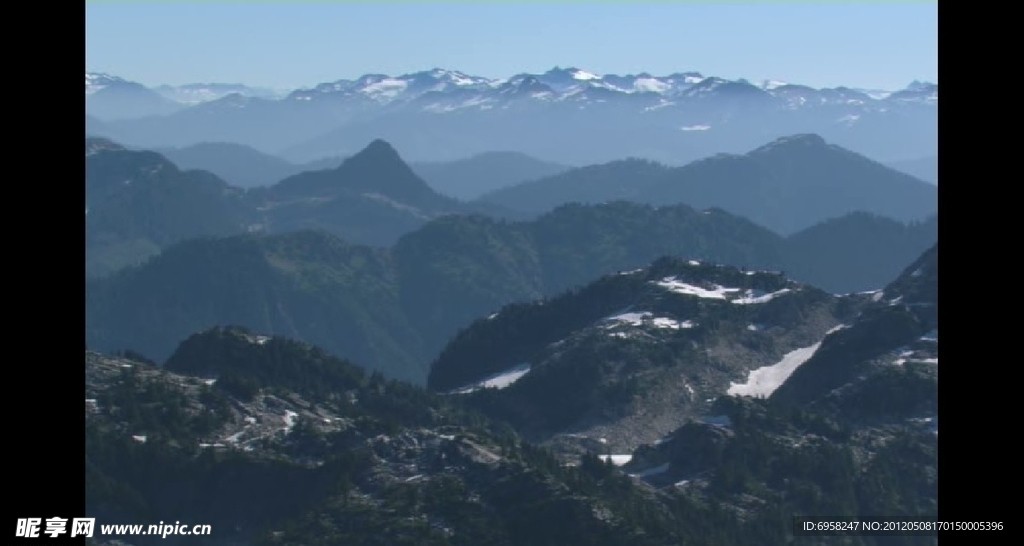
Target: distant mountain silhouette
{"points": [[239, 165], [474, 176], [786, 185]]}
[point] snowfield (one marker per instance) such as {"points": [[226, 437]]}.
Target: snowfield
{"points": [[762, 382]]}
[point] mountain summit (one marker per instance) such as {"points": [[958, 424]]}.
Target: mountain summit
{"points": [[376, 172]]}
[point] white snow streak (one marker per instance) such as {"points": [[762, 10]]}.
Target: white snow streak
{"points": [[497, 381], [679, 287], [752, 297]]}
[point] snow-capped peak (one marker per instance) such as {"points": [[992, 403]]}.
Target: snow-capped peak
{"points": [[583, 75], [651, 85], [768, 85], [96, 81]]}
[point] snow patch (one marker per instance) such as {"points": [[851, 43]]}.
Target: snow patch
{"points": [[650, 85], [673, 285], [257, 339], [755, 327], [752, 297], [289, 420], [762, 382], [658, 106], [140, 438], [639, 319], [387, 88], [693, 262], [583, 75], [617, 460], [635, 319], [497, 381], [673, 324]]}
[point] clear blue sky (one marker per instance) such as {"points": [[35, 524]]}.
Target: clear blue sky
{"points": [[882, 45]]}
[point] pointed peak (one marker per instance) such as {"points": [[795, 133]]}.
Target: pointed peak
{"points": [[805, 140], [378, 149]]}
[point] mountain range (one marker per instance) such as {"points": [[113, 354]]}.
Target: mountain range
{"points": [[579, 308], [786, 185], [565, 115], [138, 202], [274, 441], [394, 309], [464, 179], [374, 197], [449, 262]]}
